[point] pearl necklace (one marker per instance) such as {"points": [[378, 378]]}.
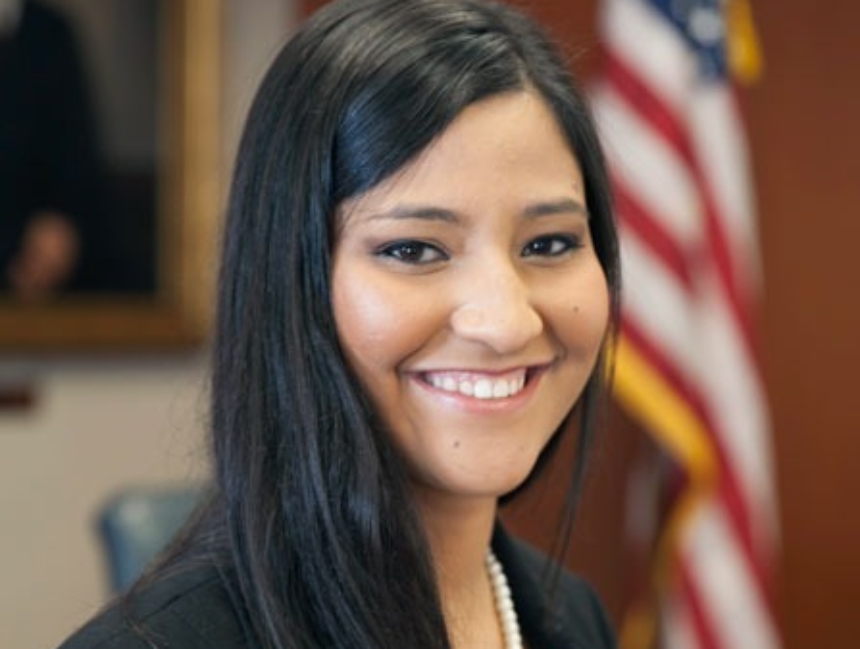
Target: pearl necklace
{"points": [[504, 603]]}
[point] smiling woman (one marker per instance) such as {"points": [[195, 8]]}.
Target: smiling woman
{"points": [[419, 279], [108, 193]]}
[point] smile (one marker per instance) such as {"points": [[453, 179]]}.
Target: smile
{"points": [[478, 385]]}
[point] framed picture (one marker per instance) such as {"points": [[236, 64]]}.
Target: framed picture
{"points": [[137, 87]]}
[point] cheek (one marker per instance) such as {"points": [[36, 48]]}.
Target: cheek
{"points": [[362, 317], [379, 323], [586, 314]]}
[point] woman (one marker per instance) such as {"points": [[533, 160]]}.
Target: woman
{"points": [[418, 282]]}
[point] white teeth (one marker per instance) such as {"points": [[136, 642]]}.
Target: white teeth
{"points": [[501, 389], [480, 388], [483, 389]]}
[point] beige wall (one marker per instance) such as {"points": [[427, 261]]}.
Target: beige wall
{"points": [[99, 425]]}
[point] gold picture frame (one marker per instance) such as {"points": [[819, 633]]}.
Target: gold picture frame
{"points": [[178, 312]]}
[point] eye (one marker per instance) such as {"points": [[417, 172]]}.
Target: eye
{"points": [[412, 252], [551, 246]]}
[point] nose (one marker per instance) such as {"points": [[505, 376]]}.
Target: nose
{"points": [[496, 309]]}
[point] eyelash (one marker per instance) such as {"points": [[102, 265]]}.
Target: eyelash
{"points": [[414, 252], [567, 244], [411, 251]]}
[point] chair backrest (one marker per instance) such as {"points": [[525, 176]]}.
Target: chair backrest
{"points": [[137, 523]]}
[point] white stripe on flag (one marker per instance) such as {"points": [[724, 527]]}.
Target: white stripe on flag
{"points": [[715, 130]]}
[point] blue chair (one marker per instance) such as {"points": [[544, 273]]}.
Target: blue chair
{"points": [[137, 523]]}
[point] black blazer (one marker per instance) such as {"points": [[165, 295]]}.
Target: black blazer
{"points": [[194, 610]]}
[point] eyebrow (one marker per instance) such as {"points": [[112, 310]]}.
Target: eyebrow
{"points": [[418, 212], [428, 213], [562, 206]]}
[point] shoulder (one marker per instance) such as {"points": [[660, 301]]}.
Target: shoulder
{"points": [[562, 613], [187, 610]]}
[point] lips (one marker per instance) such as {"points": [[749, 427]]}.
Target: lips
{"points": [[479, 385]]}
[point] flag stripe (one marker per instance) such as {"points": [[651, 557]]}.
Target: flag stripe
{"points": [[715, 128], [652, 234], [696, 609]]}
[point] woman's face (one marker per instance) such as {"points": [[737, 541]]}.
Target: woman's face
{"points": [[469, 299]]}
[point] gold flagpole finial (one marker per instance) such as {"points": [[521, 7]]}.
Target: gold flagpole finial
{"points": [[742, 43]]}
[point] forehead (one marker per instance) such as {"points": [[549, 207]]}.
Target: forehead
{"points": [[508, 145]]}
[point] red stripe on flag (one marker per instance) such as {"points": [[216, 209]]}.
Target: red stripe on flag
{"points": [[703, 626], [641, 99], [632, 214]]}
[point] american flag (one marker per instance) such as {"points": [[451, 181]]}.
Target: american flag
{"points": [[686, 364]]}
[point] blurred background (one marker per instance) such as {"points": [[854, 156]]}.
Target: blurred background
{"points": [[77, 426]]}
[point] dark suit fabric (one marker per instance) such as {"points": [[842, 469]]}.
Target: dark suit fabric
{"points": [[195, 610]]}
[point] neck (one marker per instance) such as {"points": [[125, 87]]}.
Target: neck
{"points": [[459, 532]]}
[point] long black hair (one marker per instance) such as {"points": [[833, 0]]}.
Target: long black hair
{"points": [[313, 500]]}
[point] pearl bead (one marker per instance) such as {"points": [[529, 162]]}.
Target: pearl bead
{"points": [[504, 603]]}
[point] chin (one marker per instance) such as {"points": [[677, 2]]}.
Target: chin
{"points": [[484, 484]]}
